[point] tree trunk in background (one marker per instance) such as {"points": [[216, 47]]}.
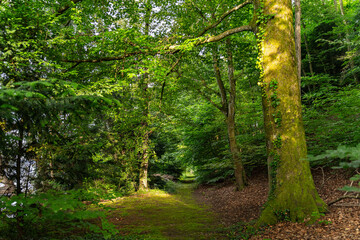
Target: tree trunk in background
{"points": [[240, 175], [298, 38], [143, 175], [143, 182], [228, 109], [292, 191], [351, 60], [18, 159], [309, 55]]}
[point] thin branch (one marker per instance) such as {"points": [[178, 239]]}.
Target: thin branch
{"points": [[176, 48], [209, 89], [228, 33], [222, 17], [167, 74], [72, 67], [209, 99], [341, 198]]}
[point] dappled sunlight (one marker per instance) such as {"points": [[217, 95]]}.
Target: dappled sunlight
{"points": [[156, 213]]}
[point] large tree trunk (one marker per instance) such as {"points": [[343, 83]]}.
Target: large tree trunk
{"points": [[292, 193], [240, 175]]}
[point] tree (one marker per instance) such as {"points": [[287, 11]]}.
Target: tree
{"points": [[292, 191]]}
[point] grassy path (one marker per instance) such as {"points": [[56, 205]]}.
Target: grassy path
{"points": [[156, 214]]}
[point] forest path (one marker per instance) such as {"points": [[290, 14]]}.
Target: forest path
{"points": [[155, 214]]}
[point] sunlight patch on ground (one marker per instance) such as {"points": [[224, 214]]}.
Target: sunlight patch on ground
{"points": [[155, 214]]}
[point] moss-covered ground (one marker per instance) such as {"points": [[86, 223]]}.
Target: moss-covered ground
{"points": [[156, 214]]}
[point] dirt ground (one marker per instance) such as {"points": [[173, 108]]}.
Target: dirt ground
{"points": [[341, 222]]}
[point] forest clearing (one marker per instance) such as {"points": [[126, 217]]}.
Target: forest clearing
{"points": [[179, 119]]}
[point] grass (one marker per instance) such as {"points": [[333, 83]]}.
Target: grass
{"points": [[156, 214]]}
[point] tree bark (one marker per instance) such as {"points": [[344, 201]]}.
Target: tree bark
{"points": [[298, 38], [227, 107], [292, 191], [240, 176]]}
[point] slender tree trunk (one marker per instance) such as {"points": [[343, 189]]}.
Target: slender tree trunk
{"points": [[292, 192], [240, 175], [143, 175], [143, 183], [351, 60], [18, 160], [298, 38], [228, 109], [309, 55]]}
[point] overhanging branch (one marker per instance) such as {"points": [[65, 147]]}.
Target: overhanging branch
{"points": [[169, 49], [224, 16]]}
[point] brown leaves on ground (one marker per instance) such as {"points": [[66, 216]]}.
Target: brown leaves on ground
{"points": [[342, 221]]}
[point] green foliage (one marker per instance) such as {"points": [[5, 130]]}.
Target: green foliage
{"points": [[331, 118], [282, 215], [351, 155], [241, 231], [315, 217], [53, 214], [345, 157]]}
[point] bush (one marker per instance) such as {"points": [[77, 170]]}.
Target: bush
{"points": [[54, 215]]}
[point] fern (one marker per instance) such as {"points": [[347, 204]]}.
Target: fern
{"points": [[351, 155]]}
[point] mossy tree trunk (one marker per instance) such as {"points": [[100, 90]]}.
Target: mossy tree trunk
{"points": [[292, 195]]}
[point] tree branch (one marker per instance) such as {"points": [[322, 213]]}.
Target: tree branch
{"points": [[210, 89], [224, 16], [228, 33], [72, 67], [208, 98], [172, 49], [167, 74], [341, 198]]}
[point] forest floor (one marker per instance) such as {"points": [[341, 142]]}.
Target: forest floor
{"points": [[234, 209], [220, 212], [155, 214]]}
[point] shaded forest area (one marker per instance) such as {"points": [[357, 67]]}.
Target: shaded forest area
{"points": [[103, 99]]}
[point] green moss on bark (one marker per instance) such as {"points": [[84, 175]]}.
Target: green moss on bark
{"points": [[294, 196]]}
